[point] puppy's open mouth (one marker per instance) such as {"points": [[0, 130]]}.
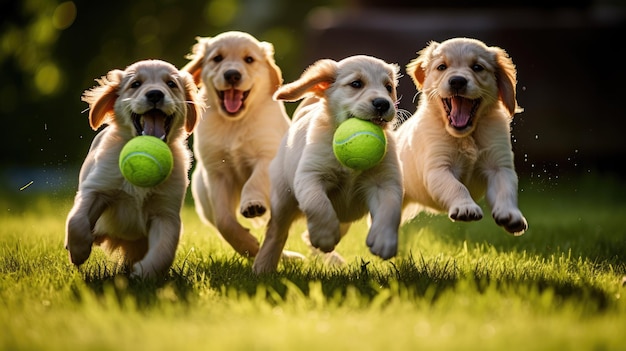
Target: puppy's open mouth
{"points": [[233, 100], [460, 110], [154, 122], [379, 121]]}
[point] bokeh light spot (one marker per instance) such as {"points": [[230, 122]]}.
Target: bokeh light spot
{"points": [[64, 15], [221, 12], [48, 78]]}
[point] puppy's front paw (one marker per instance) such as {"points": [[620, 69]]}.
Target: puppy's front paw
{"points": [[253, 209], [143, 270], [512, 220], [383, 243], [466, 212], [79, 240]]}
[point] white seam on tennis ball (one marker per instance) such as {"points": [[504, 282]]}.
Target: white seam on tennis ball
{"points": [[157, 162], [365, 132]]}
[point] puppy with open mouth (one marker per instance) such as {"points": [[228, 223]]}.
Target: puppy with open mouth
{"points": [[149, 97], [238, 133], [456, 148]]}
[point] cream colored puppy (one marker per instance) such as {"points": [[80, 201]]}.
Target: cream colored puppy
{"points": [[148, 98], [238, 134], [457, 147], [307, 178]]}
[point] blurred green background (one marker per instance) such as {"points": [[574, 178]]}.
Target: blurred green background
{"points": [[569, 75]]}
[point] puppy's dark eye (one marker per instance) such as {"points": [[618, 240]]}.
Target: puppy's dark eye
{"points": [[477, 68], [389, 87], [249, 59], [171, 84], [442, 67], [136, 84], [218, 58], [357, 84]]}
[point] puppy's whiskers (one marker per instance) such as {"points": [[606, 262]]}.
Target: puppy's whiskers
{"points": [[401, 117], [433, 94]]}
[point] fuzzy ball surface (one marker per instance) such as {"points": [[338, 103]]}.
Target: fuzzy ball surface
{"points": [[146, 161], [359, 144]]}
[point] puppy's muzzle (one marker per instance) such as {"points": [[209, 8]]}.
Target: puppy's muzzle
{"points": [[383, 111], [154, 121], [461, 110], [233, 100]]}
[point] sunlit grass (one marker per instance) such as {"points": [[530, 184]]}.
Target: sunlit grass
{"points": [[453, 286]]}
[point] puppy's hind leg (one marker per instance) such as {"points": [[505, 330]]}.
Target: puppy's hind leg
{"points": [[214, 205], [200, 194]]}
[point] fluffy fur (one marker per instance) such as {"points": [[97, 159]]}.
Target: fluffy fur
{"points": [[307, 178], [149, 97], [456, 149], [238, 134]]}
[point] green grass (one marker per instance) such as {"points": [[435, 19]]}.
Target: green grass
{"points": [[454, 286]]}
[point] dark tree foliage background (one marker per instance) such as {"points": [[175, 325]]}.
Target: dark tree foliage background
{"points": [[569, 73], [51, 51]]}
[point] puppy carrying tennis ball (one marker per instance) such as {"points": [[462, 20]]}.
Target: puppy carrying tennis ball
{"points": [[335, 165]]}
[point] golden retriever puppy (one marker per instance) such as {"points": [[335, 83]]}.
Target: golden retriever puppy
{"points": [[149, 97], [307, 178], [457, 147], [238, 134]]}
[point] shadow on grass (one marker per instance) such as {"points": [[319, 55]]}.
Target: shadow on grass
{"points": [[413, 277]]}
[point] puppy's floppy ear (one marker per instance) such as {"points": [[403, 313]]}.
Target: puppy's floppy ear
{"points": [[315, 80], [416, 69], [194, 67], [101, 99], [506, 77], [194, 105], [276, 75]]}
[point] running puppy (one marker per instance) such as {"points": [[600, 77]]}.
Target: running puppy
{"points": [[149, 97], [457, 147], [307, 178], [238, 134]]}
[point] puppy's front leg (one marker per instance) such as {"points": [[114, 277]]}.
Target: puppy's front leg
{"points": [[254, 193], [283, 212], [452, 195], [502, 197], [163, 240], [385, 204], [88, 207], [322, 221]]}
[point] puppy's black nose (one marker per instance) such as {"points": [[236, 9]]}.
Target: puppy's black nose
{"points": [[457, 82], [154, 96], [232, 76], [381, 105]]}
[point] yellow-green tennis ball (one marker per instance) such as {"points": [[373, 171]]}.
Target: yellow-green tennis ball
{"points": [[146, 161], [359, 144]]}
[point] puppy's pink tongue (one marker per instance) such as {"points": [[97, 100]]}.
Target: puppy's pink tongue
{"points": [[233, 99], [460, 112], [154, 123]]}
